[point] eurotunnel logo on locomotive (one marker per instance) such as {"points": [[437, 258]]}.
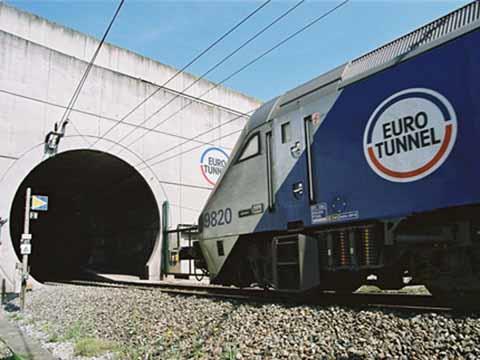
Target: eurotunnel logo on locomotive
{"points": [[410, 135], [212, 163]]}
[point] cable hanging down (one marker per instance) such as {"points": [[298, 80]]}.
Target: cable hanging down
{"points": [[78, 89], [201, 77], [178, 72], [262, 55]]}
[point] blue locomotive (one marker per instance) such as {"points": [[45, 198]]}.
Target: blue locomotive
{"points": [[369, 169]]}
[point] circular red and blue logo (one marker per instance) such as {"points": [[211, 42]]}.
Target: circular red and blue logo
{"points": [[410, 135], [212, 163]]}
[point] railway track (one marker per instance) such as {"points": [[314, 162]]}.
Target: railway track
{"points": [[395, 301]]}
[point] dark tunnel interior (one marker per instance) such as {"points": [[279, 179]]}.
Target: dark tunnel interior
{"points": [[102, 216]]}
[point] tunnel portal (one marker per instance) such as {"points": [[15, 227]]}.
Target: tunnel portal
{"points": [[102, 216]]}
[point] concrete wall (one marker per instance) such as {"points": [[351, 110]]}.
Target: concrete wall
{"points": [[40, 66]]}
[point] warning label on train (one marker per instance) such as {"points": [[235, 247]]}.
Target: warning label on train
{"points": [[410, 135], [212, 163], [319, 212]]}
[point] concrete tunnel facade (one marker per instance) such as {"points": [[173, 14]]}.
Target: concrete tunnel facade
{"points": [[103, 216], [105, 193]]}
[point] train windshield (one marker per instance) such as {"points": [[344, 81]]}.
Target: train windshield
{"points": [[251, 148]]}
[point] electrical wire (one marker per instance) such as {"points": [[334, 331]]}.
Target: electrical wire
{"points": [[117, 184], [82, 81], [113, 186], [212, 45], [99, 116], [262, 55], [197, 136], [189, 150], [201, 77], [305, 27]]}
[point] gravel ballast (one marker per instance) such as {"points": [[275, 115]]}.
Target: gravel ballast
{"points": [[5, 352], [145, 324]]}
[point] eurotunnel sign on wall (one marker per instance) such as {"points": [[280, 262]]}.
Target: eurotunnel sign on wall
{"points": [[212, 163], [410, 135]]}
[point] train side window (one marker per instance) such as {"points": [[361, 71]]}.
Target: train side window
{"points": [[251, 148], [286, 135]]}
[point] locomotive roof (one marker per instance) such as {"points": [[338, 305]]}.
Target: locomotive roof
{"points": [[433, 34]]}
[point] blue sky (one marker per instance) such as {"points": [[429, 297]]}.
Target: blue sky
{"points": [[173, 32]]}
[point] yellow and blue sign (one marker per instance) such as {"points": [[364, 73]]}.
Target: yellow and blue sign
{"points": [[39, 203]]}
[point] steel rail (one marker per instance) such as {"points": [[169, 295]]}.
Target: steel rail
{"points": [[393, 302]]}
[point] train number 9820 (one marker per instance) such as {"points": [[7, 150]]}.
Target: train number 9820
{"points": [[217, 217]]}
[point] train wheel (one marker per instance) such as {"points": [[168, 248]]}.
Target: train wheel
{"points": [[347, 288], [461, 299], [341, 282], [345, 291], [440, 293]]}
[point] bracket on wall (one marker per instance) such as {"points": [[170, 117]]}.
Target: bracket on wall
{"points": [[53, 138], [2, 222]]}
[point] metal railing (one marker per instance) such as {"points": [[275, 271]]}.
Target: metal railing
{"points": [[436, 29]]}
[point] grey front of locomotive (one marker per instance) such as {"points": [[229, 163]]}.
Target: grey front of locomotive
{"points": [[270, 145], [241, 185]]}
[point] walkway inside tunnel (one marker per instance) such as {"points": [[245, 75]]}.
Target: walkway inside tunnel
{"points": [[102, 216]]}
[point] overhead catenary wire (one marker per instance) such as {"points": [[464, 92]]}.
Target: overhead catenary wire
{"points": [[97, 115], [202, 76], [198, 135], [89, 67], [190, 150], [113, 186], [177, 73], [251, 62], [296, 33]]}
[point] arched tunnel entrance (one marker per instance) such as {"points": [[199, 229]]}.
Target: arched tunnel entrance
{"points": [[102, 216]]}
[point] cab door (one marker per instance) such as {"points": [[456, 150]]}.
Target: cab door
{"points": [[292, 182]]}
